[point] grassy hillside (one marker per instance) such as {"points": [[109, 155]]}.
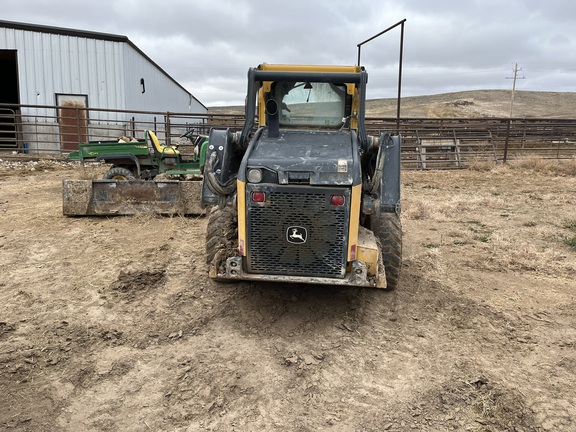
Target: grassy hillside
{"points": [[473, 103]]}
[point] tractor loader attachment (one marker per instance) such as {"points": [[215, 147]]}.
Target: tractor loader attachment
{"points": [[111, 197]]}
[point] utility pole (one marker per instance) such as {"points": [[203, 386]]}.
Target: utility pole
{"points": [[516, 70], [509, 123]]}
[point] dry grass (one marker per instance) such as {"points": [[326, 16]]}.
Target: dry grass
{"points": [[473, 103], [545, 166], [513, 253], [455, 207], [566, 167], [482, 165], [515, 217], [571, 240]]}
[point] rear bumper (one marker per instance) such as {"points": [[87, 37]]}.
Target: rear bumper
{"points": [[358, 276]]}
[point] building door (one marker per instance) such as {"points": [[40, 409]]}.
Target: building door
{"points": [[9, 94], [73, 120]]}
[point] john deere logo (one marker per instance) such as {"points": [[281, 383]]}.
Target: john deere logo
{"points": [[296, 235]]}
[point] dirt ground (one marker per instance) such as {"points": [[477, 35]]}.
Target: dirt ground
{"points": [[111, 324]]}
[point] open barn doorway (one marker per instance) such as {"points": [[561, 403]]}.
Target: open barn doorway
{"points": [[9, 95]]}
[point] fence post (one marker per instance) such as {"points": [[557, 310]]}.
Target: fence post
{"points": [[168, 131], [508, 123], [78, 131]]}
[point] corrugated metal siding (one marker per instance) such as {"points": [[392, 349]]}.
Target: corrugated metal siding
{"points": [[162, 94], [108, 71], [52, 63]]}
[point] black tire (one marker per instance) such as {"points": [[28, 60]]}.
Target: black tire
{"points": [[119, 173], [388, 229], [221, 235]]}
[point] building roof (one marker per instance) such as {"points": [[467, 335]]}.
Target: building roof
{"points": [[89, 35]]}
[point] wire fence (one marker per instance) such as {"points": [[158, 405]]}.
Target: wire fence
{"points": [[427, 143]]}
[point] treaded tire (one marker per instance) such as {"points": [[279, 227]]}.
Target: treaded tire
{"points": [[119, 173], [388, 229], [221, 233]]}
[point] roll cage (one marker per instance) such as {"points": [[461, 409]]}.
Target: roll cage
{"points": [[344, 86]]}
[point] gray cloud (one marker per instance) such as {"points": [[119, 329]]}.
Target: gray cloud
{"points": [[208, 46]]}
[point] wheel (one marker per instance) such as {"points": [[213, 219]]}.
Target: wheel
{"points": [[388, 229], [221, 235], [119, 173]]}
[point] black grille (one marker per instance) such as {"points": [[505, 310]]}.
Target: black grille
{"points": [[308, 210]]}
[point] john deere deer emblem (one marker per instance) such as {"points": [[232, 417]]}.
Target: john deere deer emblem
{"points": [[296, 235]]}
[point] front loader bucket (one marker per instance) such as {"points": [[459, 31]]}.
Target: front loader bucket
{"points": [[111, 197]]}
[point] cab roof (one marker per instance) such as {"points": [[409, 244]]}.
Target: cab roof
{"points": [[309, 68]]}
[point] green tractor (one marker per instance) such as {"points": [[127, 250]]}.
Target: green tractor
{"points": [[308, 196]]}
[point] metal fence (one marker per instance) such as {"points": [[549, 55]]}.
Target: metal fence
{"points": [[444, 143], [427, 143], [42, 130]]}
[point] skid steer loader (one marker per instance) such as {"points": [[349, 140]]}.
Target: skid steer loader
{"points": [[307, 196]]}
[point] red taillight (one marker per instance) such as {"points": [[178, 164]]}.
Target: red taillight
{"points": [[337, 200], [258, 196], [352, 252]]}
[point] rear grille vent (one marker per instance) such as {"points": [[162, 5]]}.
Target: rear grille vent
{"points": [[298, 232]]}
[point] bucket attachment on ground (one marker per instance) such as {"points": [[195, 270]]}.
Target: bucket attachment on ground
{"points": [[110, 197]]}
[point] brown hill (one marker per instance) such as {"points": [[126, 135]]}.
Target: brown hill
{"points": [[473, 103]]}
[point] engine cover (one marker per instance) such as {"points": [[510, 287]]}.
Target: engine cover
{"points": [[312, 157], [297, 231]]}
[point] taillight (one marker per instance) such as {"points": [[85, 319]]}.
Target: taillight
{"points": [[258, 196], [352, 252], [337, 200]]}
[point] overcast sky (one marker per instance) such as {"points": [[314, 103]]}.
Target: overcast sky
{"points": [[449, 45]]}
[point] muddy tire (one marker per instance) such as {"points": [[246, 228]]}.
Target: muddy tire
{"points": [[388, 229], [120, 174], [221, 234]]}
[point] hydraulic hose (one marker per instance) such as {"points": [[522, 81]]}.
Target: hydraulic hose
{"points": [[213, 183], [373, 183]]}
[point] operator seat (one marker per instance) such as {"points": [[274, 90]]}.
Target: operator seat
{"points": [[161, 150]]}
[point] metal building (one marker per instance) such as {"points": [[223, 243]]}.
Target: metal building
{"points": [[66, 68]]}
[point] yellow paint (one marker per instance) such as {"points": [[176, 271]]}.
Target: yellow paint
{"points": [[241, 198], [355, 110], [368, 251], [262, 104], [163, 150], [370, 257], [355, 202], [309, 68], [351, 88]]}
